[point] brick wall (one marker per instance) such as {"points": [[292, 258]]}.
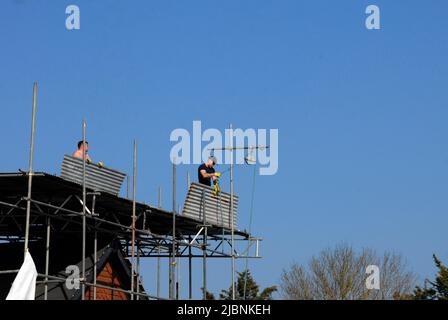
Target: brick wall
{"points": [[107, 277]]}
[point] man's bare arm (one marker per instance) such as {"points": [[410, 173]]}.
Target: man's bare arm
{"points": [[207, 175]]}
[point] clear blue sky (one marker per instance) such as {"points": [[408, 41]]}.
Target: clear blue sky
{"points": [[362, 115]]}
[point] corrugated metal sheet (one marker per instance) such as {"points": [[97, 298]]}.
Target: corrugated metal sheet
{"points": [[217, 208], [99, 179]]}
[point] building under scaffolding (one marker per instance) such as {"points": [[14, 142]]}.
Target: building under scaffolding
{"points": [[55, 236], [87, 241]]}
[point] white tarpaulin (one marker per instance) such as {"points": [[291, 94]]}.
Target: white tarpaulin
{"points": [[24, 285]]}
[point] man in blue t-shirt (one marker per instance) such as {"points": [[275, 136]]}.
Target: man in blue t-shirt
{"points": [[206, 172]]}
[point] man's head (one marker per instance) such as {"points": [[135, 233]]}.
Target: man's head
{"points": [[211, 162], [80, 146]]}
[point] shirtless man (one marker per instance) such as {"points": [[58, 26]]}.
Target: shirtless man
{"points": [[78, 153]]}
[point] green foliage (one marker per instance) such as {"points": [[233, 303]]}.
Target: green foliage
{"points": [[438, 289], [208, 295], [248, 289]]}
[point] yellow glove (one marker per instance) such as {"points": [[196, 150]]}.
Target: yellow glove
{"points": [[217, 189], [217, 174]]}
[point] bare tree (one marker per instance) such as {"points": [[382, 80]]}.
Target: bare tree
{"points": [[340, 274]]}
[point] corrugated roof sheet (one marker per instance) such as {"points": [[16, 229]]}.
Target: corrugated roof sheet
{"points": [[97, 178]]}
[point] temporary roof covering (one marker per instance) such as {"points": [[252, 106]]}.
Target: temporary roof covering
{"points": [[49, 192]]}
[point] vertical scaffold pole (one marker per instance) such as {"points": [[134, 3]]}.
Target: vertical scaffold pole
{"points": [[190, 279], [138, 270], [83, 286], [204, 248], [158, 270], [178, 279], [47, 258], [133, 218], [158, 248], [30, 170], [231, 212], [188, 180], [178, 266], [95, 262], [159, 204], [95, 250], [173, 247], [127, 187]]}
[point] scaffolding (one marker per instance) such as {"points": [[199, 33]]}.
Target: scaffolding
{"points": [[36, 205]]}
